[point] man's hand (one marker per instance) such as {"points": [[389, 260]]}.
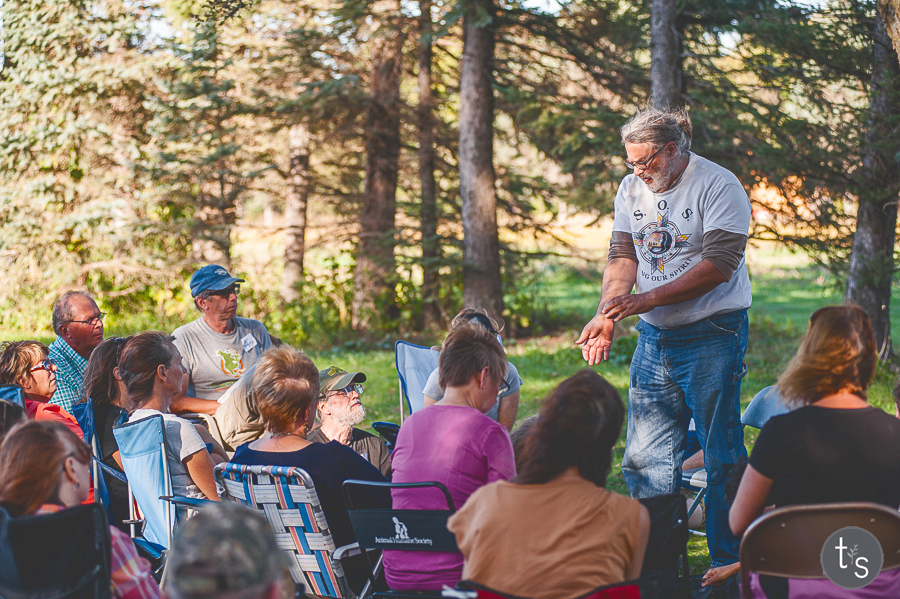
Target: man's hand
{"points": [[596, 339], [626, 305]]}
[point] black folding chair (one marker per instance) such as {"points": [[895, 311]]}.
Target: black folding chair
{"points": [[666, 549], [64, 555], [404, 530]]}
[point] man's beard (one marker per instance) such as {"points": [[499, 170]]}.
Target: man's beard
{"points": [[352, 416]]}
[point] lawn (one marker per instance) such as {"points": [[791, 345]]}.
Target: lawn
{"points": [[786, 290]]}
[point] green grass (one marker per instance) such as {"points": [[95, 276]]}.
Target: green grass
{"points": [[786, 290]]}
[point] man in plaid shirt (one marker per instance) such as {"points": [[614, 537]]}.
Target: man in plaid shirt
{"points": [[78, 325]]}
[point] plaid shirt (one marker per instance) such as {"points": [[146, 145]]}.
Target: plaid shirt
{"points": [[69, 374], [130, 576]]}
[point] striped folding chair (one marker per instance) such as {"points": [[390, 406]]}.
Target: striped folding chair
{"points": [[288, 500]]}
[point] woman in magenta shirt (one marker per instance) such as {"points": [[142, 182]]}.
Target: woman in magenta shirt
{"points": [[454, 443]]}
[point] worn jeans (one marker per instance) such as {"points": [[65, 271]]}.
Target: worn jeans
{"points": [[695, 369]]}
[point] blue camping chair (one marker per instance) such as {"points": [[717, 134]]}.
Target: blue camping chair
{"points": [[764, 405], [12, 394], [414, 365], [144, 452]]}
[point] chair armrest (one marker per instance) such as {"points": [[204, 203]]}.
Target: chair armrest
{"points": [[347, 551], [191, 502]]}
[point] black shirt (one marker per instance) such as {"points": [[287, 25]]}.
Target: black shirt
{"points": [[329, 465], [823, 455], [370, 447]]}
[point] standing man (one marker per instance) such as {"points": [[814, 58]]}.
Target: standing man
{"points": [[219, 346], [678, 239], [78, 324], [340, 410]]}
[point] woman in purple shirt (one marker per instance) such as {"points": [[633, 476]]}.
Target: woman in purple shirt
{"points": [[454, 443]]}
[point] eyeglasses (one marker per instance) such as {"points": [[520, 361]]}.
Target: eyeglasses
{"points": [[358, 387], [45, 364], [235, 289], [94, 321], [644, 164]]}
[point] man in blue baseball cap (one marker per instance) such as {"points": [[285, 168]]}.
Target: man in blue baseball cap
{"points": [[218, 347]]}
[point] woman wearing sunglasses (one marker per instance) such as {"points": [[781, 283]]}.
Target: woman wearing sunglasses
{"points": [[27, 364]]}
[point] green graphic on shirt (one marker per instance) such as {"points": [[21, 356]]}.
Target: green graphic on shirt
{"points": [[231, 362]]}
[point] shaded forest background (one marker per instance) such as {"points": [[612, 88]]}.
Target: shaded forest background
{"points": [[399, 159]]}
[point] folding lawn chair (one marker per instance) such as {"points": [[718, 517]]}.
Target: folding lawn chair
{"points": [[12, 394], [144, 454], [287, 498], [63, 555], [406, 530], [764, 405], [787, 542]]}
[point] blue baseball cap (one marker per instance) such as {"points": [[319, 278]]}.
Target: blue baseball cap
{"points": [[212, 277]]}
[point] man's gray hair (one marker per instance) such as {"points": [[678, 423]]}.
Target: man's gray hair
{"points": [[659, 127], [203, 294], [62, 309]]}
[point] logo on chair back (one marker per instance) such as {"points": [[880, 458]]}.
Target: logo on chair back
{"points": [[401, 536], [852, 558]]}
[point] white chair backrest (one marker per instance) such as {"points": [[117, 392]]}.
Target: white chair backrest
{"points": [[414, 364], [764, 405]]}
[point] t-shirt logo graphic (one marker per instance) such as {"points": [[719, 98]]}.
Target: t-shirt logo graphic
{"points": [[659, 242], [231, 362]]}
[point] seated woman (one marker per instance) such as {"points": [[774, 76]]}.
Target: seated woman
{"points": [[554, 531], [28, 364], [150, 367], [506, 408], [835, 447], [453, 443], [286, 389], [107, 392], [45, 468]]}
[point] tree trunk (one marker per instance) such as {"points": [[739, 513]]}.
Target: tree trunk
{"points": [[295, 212], [481, 244], [890, 14], [213, 221], [375, 266], [665, 55], [872, 253], [431, 246]]}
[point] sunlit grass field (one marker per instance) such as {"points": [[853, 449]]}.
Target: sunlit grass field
{"points": [[786, 290]]}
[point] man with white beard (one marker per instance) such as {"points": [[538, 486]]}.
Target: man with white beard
{"points": [[340, 410]]}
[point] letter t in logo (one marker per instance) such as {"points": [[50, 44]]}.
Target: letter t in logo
{"points": [[840, 547]]}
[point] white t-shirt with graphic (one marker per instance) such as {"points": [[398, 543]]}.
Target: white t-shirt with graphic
{"points": [[215, 361], [668, 227]]}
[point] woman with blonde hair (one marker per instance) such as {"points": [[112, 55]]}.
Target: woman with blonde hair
{"points": [[834, 447]]}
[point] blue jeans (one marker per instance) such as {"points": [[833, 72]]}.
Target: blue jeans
{"points": [[675, 372]]}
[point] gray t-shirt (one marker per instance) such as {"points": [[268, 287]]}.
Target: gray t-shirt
{"points": [[216, 361], [511, 383], [183, 441], [668, 227]]}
